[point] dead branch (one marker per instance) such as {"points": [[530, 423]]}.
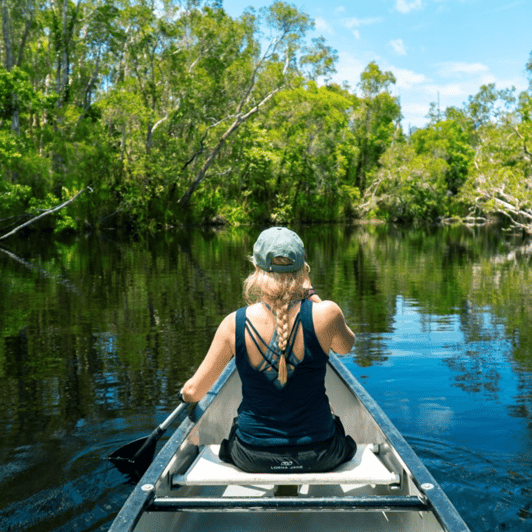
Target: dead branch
{"points": [[508, 207], [43, 214], [240, 119]]}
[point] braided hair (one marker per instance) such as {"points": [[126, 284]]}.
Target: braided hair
{"points": [[282, 290]]}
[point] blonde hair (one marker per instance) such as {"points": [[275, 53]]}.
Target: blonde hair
{"points": [[281, 290]]}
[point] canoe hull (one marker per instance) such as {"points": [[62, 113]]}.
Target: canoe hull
{"points": [[209, 422]]}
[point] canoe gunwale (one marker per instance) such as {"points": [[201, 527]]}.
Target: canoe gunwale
{"points": [[444, 510], [144, 493]]}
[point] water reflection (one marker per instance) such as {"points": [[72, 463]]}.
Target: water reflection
{"points": [[98, 335]]}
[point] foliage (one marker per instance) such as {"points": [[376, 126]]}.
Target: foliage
{"points": [[375, 121], [16, 91], [502, 169], [408, 187], [293, 166], [446, 140], [63, 221], [13, 198], [174, 112]]}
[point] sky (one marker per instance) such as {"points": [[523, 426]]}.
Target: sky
{"points": [[440, 51]]}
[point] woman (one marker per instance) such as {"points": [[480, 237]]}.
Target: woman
{"points": [[281, 342]]}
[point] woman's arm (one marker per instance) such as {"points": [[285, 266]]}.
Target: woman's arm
{"points": [[331, 329], [219, 354], [343, 337]]}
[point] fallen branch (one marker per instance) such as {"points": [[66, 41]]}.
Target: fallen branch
{"points": [[45, 213]]}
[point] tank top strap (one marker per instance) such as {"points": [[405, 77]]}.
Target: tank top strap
{"points": [[240, 339], [311, 340]]}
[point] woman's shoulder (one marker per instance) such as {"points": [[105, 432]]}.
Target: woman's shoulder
{"points": [[331, 328], [228, 324], [326, 309]]}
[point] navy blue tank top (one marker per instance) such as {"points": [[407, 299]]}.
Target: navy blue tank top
{"points": [[297, 413]]}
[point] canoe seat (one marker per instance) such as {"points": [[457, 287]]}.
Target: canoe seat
{"points": [[208, 470]]}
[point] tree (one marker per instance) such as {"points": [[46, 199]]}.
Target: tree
{"points": [[17, 21], [502, 167], [420, 179], [446, 140], [272, 71], [407, 187], [294, 160], [375, 121]]}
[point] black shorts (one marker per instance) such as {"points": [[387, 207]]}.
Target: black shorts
{"points": [[314, 457]]}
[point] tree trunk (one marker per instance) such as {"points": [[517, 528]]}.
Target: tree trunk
{"points": [[9, 63], [63, 62], [240, 119], [45, 213]]}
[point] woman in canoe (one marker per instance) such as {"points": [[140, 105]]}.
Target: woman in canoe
{"points": [[281, 342]]}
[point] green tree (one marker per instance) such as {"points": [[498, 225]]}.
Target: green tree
{"points": [[448, 141], [17, 23], [294, 161], [375, 121], [501, 174], [407, 187], [420, 178], [270, 72]]}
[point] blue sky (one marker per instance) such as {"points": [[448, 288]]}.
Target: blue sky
{"points": [[438, 49]]}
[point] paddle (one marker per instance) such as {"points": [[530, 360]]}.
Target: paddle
{"points": [[136, 456]]}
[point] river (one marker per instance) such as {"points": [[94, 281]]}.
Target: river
{"points": [[98, 333]]}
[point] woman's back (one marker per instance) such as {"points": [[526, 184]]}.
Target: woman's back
{"points": [[263, 320], [272, 413]]}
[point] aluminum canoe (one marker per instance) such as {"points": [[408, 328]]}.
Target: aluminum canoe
{"points": [[386, 488]]}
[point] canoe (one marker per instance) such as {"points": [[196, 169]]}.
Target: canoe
{"points": [[385, 488]]}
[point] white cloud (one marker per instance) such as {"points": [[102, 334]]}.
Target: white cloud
{"points": [[339, 10], [415, 114], [357, 22], [419, 109], [407, 79], [405, 7], [457, 68], [451, 90], [398, 46], [349, 69], [323, 26], [354, 23]]}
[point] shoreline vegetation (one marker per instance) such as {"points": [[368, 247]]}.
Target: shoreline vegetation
{"points": [[167, 114]]}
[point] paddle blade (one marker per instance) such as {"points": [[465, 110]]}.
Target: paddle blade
{"points": [[135, 457], [130, 461]]}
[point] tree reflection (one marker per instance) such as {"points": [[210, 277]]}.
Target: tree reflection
{"points": [[143, 314]]}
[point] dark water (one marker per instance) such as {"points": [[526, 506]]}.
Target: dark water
{"points": [[97, 336]]}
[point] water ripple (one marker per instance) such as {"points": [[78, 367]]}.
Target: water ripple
{"points": [[493, 490]]}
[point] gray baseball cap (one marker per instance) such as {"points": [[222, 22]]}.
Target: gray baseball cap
{"points": [[279, 242]]}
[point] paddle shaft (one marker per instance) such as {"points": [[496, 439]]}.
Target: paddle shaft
{"points": [[157, 433]]}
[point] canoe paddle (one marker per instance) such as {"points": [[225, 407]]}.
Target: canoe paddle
{"points": [[136, 456]]}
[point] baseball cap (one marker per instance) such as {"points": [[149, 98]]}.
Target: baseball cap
{"points": [[279, 242]]}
